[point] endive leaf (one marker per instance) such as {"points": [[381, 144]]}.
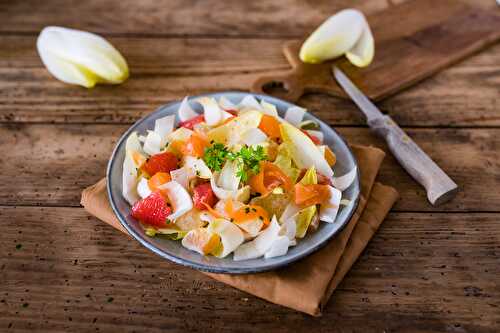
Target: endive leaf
{"points": [[211, 110], [179, 198], [129, 180], [163, 127], [249, 103], [185, 111], [260, 244], [337, 35], [328, 210], [231, 236], [80, 57], [143, 188], [294, 115], [226, 104], [362, 53], [152, 145], [303, 151]]}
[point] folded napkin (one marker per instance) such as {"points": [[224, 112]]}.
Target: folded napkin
{"points": [[307, 284]]}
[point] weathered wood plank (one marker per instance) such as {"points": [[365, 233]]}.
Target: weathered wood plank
{"points": [[61, 271], [51, 164], [164, 70], [237, 18], [178, 17]]}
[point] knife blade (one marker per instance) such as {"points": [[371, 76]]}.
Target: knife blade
{"points": [[439, 186]]}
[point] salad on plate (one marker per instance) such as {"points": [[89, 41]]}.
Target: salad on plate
{"points": [[237, 178]]}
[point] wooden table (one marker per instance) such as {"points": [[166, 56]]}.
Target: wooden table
{"points": [[427, 269]]}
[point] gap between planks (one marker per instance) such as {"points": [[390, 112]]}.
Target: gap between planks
{"points": [[444, 212]]}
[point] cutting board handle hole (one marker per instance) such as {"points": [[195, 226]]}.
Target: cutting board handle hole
{"points": [[275, 88]]}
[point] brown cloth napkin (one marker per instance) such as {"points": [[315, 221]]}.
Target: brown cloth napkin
{"points": [[308, 284]]}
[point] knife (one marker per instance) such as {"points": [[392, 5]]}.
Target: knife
{"points": [[439, 187]]}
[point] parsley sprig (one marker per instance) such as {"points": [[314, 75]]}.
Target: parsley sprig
{"points": [[215, 156], [247, 159]]}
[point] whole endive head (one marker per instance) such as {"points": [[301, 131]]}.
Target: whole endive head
{"points": [[80, 57]]}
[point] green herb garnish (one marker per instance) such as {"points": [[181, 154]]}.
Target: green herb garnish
{"points": [[248, 159], [215, 156]]}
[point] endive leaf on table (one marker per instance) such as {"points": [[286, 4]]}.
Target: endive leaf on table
{"points": [[80, 57]]}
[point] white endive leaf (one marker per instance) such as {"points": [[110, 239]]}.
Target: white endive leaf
{"points": [[362, 53], [163, 127], [129, 180], [182, 176], [303, 151], [197, 167], [179, 198], [291, 210], [294, 115], [242, 194], [185, 111], [289, 228], [80, 57], [219, 192], [249, 102], [143, 188], [152, 145], [318, 135], [260, 244], [253, 136], [231, 236], [328, 210], [226, 115], [268, 108], [133, 143], [211, 110], [252, 226], [226, 104], [227, 177], [278, 248], [337, 35], [343, 182], [180, 134]]}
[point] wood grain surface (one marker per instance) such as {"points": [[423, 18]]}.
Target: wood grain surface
{"points": [[166, 69], [428, 269], [433, 35]]}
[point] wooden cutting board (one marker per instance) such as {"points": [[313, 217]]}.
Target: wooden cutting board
{"points": [[413, 40]]}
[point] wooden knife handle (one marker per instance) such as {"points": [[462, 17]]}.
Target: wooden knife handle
{"points": [[440, 188]]}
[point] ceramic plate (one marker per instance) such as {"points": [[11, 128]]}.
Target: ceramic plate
{"points": [[174, 251]]}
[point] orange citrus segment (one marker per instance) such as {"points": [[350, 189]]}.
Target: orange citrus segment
{"points": [[308, 195], [269, 177], [270, 126], [330, 156], [158, 179], [195, 146], [250, 212]]}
